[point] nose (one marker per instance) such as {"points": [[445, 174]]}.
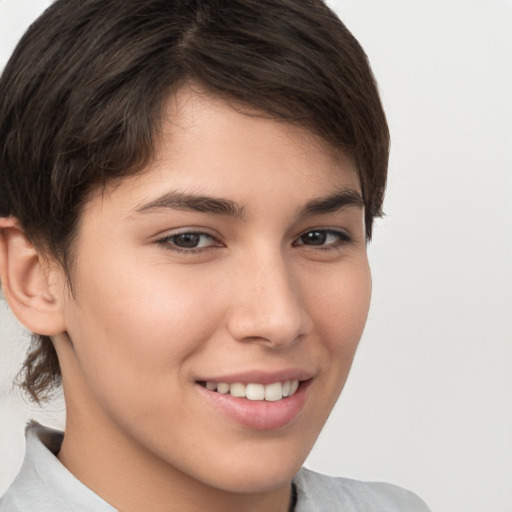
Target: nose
{"points": [[267, 304]]}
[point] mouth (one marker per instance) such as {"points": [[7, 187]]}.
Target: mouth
{"points": [[273, 392], [256, 405]]}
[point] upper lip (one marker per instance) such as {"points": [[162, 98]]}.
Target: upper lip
{"points": [[260, 376]]}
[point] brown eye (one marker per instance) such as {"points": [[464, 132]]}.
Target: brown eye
{"points": [[314, 238], [326, 238], [189, 241], [186, 240]]}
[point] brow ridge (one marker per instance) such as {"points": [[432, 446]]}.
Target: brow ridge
{"points": [[332, 203], [192, 202]]}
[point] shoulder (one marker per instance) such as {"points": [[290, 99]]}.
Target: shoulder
{"points": [[44, 484], [319, 493]]}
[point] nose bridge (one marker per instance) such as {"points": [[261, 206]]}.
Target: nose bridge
{"points": [[267, 304]]}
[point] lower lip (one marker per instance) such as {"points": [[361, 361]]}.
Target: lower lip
{"points": [[258, 414]]}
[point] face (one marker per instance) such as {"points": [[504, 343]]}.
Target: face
{"points": [[219, 297]]}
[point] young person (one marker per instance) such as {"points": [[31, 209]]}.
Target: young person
{"points": [[187, 191]]}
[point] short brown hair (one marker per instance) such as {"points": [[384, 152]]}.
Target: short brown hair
{"points": [[81, 98]]}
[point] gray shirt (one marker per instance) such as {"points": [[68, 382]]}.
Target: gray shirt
{"points": [[45, 485]]}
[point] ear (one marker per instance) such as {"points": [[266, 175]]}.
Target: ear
{"points": [[30, 287]]}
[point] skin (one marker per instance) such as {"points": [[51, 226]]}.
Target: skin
{"points": [[147, 320]]}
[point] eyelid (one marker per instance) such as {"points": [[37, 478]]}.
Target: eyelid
{"points": [[343, 236], [166, 240], [168, 233]]}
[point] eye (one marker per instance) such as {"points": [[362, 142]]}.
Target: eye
{"points": [[326, 238], [189, 241]]}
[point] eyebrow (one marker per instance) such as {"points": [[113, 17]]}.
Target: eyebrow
{"points": [[341, 199], [205, 204], [194, 203]]}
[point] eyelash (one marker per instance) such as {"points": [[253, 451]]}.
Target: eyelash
{"points": [[169, 242], [342, 239]]}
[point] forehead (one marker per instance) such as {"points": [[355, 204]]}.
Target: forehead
{"points": [[211, 146], [193, 108]]}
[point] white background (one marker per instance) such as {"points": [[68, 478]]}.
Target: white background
{"points": [[429, 402]]}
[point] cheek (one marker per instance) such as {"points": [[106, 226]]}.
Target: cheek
{"points": [[131, 329], [340, 311], [340, 307]]}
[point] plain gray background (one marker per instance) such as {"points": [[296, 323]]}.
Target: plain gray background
{"points": [[429, 403]]}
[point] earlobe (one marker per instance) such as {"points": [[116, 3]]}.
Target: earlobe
{"points": [[26, 282]]}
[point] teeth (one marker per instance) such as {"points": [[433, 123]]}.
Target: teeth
{"points": [[212, 386], [253, 391], [237, 390], [223, 388], [274, 392]]}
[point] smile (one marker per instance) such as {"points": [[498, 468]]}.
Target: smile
{"points": [[253, 391]]}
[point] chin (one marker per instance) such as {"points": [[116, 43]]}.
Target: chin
{"points": [[259, 478], [264, 468]]}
